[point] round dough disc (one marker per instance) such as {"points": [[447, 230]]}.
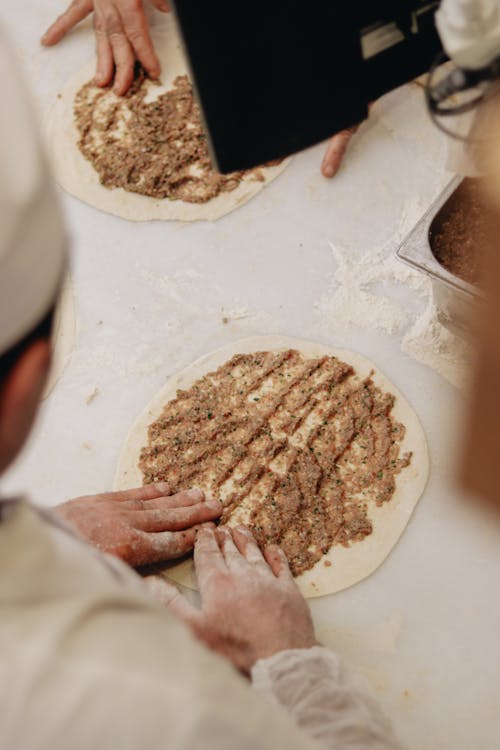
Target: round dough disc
{"points": [[345, 565], [78, 177]]}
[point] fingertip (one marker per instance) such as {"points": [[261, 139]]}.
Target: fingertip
{"points": [[123, 80], [213, 504], [195, 493], [154, 71], [243, 529], [224, 532], [276, 559], [273, 548], [100, 80], [118, 88], [327, 170], [49, 38], [163, 488]]}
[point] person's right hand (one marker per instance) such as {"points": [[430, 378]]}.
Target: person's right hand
{"points": [[122, 37], [251, 606]]}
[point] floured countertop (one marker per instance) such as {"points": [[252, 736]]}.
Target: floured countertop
{"points": [[313, 259]]}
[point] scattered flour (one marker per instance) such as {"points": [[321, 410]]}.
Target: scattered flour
{"points": [[353, 298], [357, 296], [431, 343]]}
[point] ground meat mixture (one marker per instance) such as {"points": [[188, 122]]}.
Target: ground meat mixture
{"points": [[152, 145], [299, 449], [459, 233]]}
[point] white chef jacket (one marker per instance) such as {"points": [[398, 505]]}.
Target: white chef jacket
{"points": [[90, 660]]}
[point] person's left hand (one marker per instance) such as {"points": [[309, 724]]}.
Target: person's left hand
{"points": [[141, 526]]}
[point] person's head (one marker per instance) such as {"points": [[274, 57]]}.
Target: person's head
{"points": [[33, 257], [23, 372]]}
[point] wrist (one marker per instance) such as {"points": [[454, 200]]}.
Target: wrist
{"points": [[271, 650]]}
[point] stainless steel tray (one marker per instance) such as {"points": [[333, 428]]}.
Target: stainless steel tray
{"points": [[455, 299]]}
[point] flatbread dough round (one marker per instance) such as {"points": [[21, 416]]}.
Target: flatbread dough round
{"points": [[78, 177], [63, 336], [345, 566]]}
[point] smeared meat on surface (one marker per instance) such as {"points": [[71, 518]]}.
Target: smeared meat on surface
{"points": [[299, 449], [152, 145]]}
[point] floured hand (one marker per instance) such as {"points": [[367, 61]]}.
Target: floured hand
{"points": [[251, 606], [122, 37], [141, 526]]}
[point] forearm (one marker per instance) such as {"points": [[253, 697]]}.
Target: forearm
{"points": [[322, 697]]}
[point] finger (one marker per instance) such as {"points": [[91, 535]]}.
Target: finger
{"points": [[168, 545], [123, 54], [137, 31], [278, 562], [161, 546], [168, 595], [175, 519], [248, 547], [105, 65], [161, 5], [77, 11], [162, 501], [208, 558], [235, 561], [335, 151], [147, 492]]}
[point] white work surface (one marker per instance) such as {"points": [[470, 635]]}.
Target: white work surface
{"points": [[425, 628]]}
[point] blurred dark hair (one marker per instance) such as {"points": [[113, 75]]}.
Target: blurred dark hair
{"points": [[42, 331]]}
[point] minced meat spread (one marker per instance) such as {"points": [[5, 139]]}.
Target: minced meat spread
{"points": [[150, 145], [297, 448]]}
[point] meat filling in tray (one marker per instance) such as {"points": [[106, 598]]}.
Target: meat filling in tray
{"points": [[458, 235]]}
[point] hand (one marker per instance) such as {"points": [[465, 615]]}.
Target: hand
{"points": [[140, 526], [337, 146], [251, 606], [122, 36]]}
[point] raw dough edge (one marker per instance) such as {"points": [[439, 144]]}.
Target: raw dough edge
{"points": [[63, 336]]}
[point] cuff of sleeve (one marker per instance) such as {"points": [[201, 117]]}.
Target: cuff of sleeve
{"points": [[318, 659]]}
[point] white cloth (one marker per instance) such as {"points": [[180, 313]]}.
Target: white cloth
{"points": [[90, 660], [32, 236]]}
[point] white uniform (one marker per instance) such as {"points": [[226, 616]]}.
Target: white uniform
{"points": [[89, 660]]}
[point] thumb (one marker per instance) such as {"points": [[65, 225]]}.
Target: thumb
{"points": [[168, 595]]}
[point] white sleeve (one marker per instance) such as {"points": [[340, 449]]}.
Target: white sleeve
{"points": [[324, 699]]}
